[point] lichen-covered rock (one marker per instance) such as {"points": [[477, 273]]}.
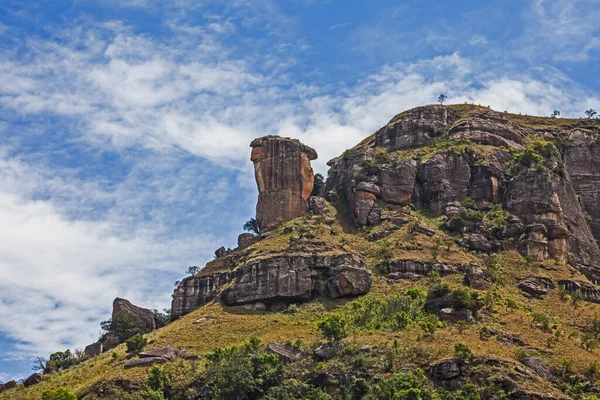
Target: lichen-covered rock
{"points": [[454, 315], [245, 240], [298, 278], [317, 205], [284, 177], [536, 364], [144, 362], [411, 268], [489, 128], [475, 277], [448, 373]]}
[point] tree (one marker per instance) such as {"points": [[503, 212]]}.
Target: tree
{"points": [[591, 113], [123, 325], [135, 343], [319, 186], [40, 364], [442, 98], [334, 327], [555, 113], [253, 225], [162, 318], [192, 270], [58, 361]]}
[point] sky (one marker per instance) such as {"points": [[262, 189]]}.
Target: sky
{"points": [[125, 124]]}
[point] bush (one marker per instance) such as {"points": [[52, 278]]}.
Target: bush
{"points": [[58, 361], [399, 311], [135, 343], [334, 327], [58, 394], [370, 168], [253, 225], [319, 185], [462, 353], [461, 299], [123, 325], [157, 380]]}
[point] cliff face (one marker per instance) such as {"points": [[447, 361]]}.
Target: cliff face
{"points": [[284, 177], [455, 163]]}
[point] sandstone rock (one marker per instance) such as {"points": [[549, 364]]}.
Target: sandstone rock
{"points": [[363, 204], [454, 315], [167, 352], [220, 252], [145, 362], [433, 306], [245, 240], [588, 291], [424, 230], [10, 385], [298, 278], [194, 291], [442, 181], [477, 242], [317, 205], [110, 342], [284, 177], [397, 183], [93, 349], [415, 127], [286, 352], [489, 128], [475, 277], [416, 268], [447, 373], [539, 367], [368, 187], [380, 234], [328, 350], [536, 286], [33, 379], [144, 316], [202, 320]]}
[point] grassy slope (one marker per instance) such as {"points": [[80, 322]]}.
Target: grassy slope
{"points": [[231, 326]]}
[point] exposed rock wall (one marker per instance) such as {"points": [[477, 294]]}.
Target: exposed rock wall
{"points": [[194, 291], [284, 177]]}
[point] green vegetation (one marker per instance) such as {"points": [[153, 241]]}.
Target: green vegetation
{"points": [[334, 327], [122, 325], [58, 361], [537, 155], [135, 343], [58, 394], [253, 225], [319, 185]]}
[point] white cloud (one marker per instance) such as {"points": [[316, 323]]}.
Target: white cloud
{"points": [[478, 40]]}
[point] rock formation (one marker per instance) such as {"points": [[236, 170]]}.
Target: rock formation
{"points": [[462, 166], [284, 177]]}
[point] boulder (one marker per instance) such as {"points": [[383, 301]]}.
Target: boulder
{"points": [[475, 277], [286, 352], [110, 342], [489, 128], [144, 362], [220, 252], [284, 177], [167, 352], [317, 205], [397, 183], [536, 364], [245, 239], [535, 286], [33, 379], [202, 320], [10, 385], [454, 315], [416, 268], [433, 306], [194, 291], [328, 350], [424, 230], [447, 373], [477, 242]]}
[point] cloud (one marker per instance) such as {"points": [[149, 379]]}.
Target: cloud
{"points": [[478, 40]]}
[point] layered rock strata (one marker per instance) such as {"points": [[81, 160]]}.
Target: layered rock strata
{"points": [[284, 177]]}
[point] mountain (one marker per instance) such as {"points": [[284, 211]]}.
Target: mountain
{"points": [[452, 254]]}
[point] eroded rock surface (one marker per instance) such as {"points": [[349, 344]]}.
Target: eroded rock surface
{"points": [[284, 177]]}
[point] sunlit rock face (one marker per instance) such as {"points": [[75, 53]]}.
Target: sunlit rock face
{"points": [[284, 177]]}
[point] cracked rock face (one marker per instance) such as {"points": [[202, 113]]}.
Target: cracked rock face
{"points": [[284, 177]]}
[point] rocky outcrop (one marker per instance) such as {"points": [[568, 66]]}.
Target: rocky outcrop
{"points": [[588, 291], [276, 281], [489, 128], [298, 278], [33, 379], [284, 177], [407, 268], [535, 286], [194, 291], [447, 373], [285, 352]]}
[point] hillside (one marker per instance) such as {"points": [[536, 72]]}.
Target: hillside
{"points": [[449, 225]]}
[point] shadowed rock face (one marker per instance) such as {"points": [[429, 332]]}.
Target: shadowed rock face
{"points": [[194, 291], [143, 315], [284, 177]]}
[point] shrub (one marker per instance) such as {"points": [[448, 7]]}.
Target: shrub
{"points": [[462, 353], [399, 311], [58, 394], [334, 327], [135, 343], [370, 168], [58, 361], [461, 299], [157, 380], [319, 185], [253, 225]]}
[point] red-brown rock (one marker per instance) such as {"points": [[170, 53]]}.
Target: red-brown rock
{"points": [[284, 177]]}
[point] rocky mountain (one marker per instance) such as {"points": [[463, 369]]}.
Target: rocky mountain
{"points": [[453, 254]]}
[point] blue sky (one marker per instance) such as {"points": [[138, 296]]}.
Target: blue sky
{"points": [[125, 125]]}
